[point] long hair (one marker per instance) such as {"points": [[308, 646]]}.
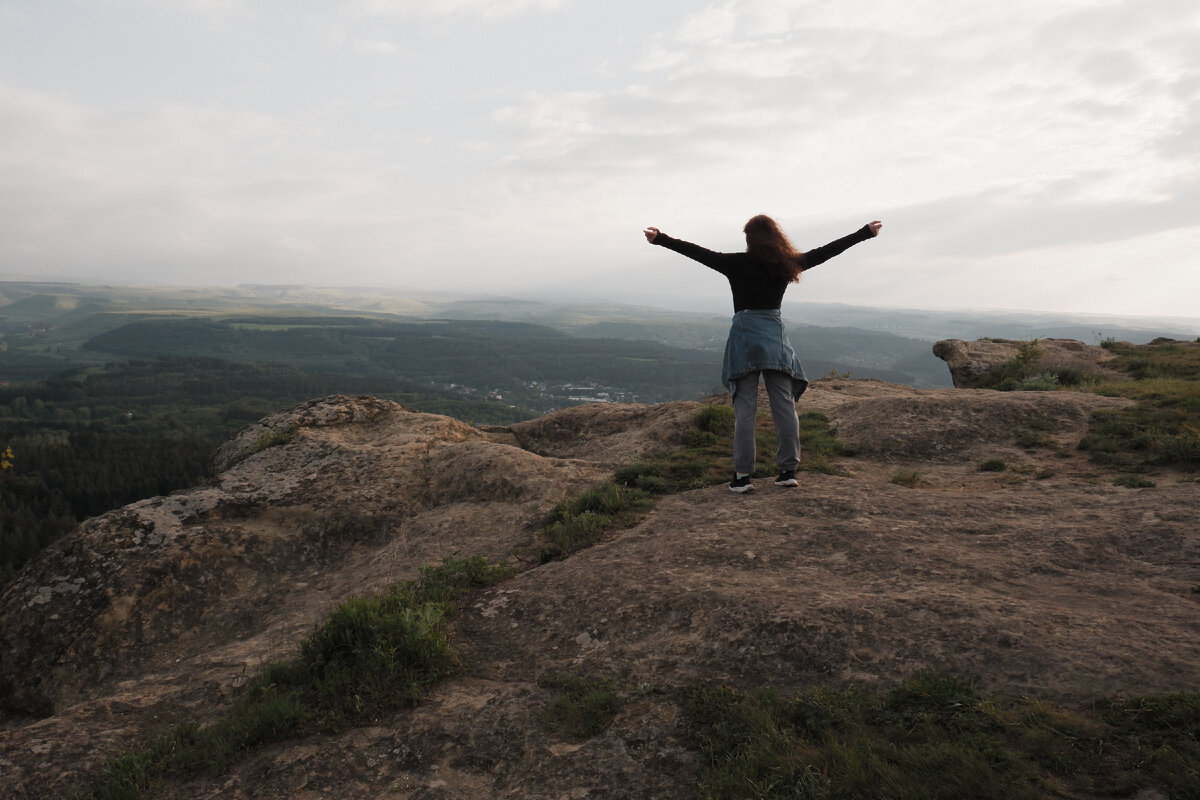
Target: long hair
{"points": [[767, 243]]}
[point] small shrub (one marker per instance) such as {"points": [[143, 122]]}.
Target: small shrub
{"points": [[716, 419], [630, 475], [699, 439], [608, 499], [1032, 439], [455, 576], [1042, 382], [1133, 482], [1069, 376], [581, 707], [376, 652], [266, 440], [993, 465], [567, 536], [906, 477], [1011, 374], [819, 439], [580, 521], [653, 484], [271, 438]]}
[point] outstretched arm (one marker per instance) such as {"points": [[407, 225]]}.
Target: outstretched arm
{"points": [[819, 255], [721, 262]]}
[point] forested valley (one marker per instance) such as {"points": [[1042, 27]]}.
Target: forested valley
{"points": [[96, 436]]}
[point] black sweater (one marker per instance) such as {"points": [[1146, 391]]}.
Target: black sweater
{"points": [[754, 283]]}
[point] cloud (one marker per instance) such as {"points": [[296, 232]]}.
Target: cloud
{"points": [[484, 9], [212, 10], [375, 47], [945, 103], [1007, 221], [86, 189]]}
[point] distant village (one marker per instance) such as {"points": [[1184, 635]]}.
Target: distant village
{"points": [[565, 393]]}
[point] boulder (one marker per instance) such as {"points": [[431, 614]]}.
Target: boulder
{"points": [[969, 361]]}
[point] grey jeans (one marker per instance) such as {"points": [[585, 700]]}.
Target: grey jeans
{"points": [[783, 412]]}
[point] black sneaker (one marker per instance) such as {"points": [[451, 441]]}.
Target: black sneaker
{"points": [[787, 478], [741, 485]]}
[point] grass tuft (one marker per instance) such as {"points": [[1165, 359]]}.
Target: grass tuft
{"points": [[581, 521], [1133, 482], [580, 707]]}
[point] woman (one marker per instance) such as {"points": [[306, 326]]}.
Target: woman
{"points": [[757, 343]]}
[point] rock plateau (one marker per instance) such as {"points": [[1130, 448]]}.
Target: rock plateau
{"points": [[1044, 579]]}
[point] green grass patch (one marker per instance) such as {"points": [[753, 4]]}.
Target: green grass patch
{"points": [[580, 521], [580, 707], [1163, 428], [936, 737], [717, 420], [993, 465], [906, 477], [372, 655], [1030, 439], [1155, 432], [1133, 482], [819, 443]]}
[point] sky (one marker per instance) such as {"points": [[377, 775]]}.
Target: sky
{"points": [[1030, 154]]}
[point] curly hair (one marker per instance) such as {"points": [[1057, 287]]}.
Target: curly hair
{"points": [[767, 243]]}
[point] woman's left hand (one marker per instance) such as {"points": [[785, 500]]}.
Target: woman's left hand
{"points": [[875, 226], [650, 233]]}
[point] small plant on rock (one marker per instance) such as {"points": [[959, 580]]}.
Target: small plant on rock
{"points": [[580, 521], [581, 707], [1133, 482], [906, 477]]}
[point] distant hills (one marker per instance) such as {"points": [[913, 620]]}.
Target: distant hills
{"points": [[657, 354]]}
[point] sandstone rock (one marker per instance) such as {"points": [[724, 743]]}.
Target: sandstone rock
{"points": [[969, 360], [165, 579], [1043, 580], [608, 434]]}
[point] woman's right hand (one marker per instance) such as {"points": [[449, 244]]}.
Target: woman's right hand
{"points": [[875, 226], [650, 233]]}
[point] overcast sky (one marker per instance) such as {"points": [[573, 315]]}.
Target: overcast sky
{"points": [[1037, 154]]}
